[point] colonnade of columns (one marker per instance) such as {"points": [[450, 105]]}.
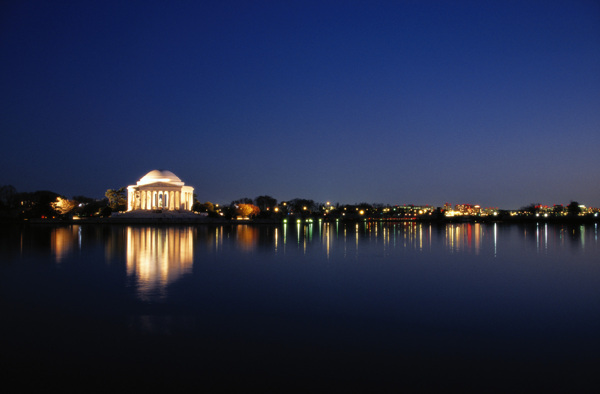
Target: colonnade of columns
{"points": [[172, 200]]}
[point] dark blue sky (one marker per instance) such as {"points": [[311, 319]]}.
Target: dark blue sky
{"points": [[423, 102]]}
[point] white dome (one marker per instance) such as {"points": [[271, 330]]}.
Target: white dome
{"points": [[164, 176]]}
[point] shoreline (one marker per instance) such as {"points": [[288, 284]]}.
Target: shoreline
{"points": [[308, 220]]}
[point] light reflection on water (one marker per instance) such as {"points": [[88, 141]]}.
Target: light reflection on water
{"points": [[158, 256], [302, 295], [64, 241], [151, 250]]}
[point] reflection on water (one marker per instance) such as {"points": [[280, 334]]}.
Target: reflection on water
{"points": [[158, 256], [247, 237], [302, 299], [64, 240], [472, 238], [162, 254]]}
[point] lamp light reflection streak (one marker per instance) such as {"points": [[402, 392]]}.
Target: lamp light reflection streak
{"points": [[495, 239], [476, 238]]}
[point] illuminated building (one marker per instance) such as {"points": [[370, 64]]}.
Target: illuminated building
{"points": [[468, 209], [160, 190]]}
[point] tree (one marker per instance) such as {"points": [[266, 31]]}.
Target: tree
{"points": [[531, 208], [244, 200], [208, 207], [300, 205], [247, 210], [37, 204], [229, 211], [8, 201], [265, 203], [117, 199], [7, 196], [92, 208], [83, 199], [63, 205], [573, 208]]}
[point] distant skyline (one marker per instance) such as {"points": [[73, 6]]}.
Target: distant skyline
{"points": [[398, 102]]}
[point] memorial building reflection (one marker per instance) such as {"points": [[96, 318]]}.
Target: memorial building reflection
{"points": [[158, 256]]}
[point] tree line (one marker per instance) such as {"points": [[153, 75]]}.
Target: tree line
{"points": [[48, 204]]}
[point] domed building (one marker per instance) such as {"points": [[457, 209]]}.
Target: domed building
{"points": [[160, 190]]}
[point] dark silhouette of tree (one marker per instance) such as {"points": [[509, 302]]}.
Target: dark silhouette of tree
{"points": [[91, 208], [37, 204], [244, 200], [117, 199], [228, 211], [531, 208], [83, 199], [364, 206], [8, 201], [105, 211], [301, 205], [207, 207], [265, 203], [573, 208], [558, 210], [7, 196]]}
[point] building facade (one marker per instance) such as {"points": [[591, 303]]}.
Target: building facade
{"points": [[160, 190]]}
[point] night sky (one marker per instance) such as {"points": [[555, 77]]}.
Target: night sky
{"points": [[399, 102]]}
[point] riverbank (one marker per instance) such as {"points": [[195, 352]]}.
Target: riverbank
{"points": [[194, 219]]}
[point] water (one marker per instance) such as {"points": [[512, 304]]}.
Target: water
{"points": [[310, 306]]}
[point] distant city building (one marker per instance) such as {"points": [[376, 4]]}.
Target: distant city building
{"points": [[160, 190], [468, 209]]}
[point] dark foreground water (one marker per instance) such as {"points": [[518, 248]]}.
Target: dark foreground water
{"points": [[314, 307]]}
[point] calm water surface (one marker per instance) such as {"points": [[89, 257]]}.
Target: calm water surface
{"points": [[311, 306]]}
